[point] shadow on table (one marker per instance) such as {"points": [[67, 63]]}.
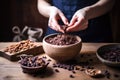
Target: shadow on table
{"points": [[48, 72]]}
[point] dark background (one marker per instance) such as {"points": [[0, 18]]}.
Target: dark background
{"points": [[25, 12], [19, 13]]}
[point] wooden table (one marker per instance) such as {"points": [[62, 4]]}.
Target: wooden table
{"points": [[12, 70]]}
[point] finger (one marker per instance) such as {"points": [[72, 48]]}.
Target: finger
{"points": [[73, 20], [49, 22], [77, 27], [55, 26], [84, 26], [64, 19], [72, 28]]}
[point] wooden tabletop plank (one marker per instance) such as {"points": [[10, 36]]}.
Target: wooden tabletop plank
{"points": [[12, 70]]}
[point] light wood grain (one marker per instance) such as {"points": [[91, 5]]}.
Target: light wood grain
{"points": [[12, 70], [14, 56]]}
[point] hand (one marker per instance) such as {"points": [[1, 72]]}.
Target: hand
{"points": [[78, 22], [55, 15]]}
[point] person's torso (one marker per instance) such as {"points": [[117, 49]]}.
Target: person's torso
{"points": [[69, 7], [98, 28]]}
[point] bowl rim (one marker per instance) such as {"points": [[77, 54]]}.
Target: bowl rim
{"points": [[27, 67], [33, 67], [46, 63], [105, 46], [79, 41]]}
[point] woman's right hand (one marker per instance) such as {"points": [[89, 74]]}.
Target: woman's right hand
{"points": [[54, 16]]}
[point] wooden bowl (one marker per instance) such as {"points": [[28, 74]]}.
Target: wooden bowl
{"points": [[33, 69], [105, 49], [62, 52]]}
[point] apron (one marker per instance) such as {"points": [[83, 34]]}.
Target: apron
{"points": [[99, 29]]}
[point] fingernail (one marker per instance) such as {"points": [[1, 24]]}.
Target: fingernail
{"points": [[62, 31], [67, 23], [66, 30]]}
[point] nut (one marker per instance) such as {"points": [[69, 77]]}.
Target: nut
{"points": [[93, 72], [21, 46]]}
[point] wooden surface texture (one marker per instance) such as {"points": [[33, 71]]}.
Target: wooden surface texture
{"points": [[12, 71]]}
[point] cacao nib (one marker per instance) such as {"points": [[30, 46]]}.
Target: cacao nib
{"points": [[71, 76], [112, 54], [56, 70], [116, 75], [107, 74], [31, 61], [73, 72], [62, 39]]}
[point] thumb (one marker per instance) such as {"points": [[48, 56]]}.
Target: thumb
{"points": [[73, 20]]}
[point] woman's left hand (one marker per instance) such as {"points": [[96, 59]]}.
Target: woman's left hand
{"points": [[78, 22]]}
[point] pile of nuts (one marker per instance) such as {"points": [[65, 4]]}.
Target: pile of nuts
{"points": [[62, 39], [21, 46], [30, 61], [113, 54]]}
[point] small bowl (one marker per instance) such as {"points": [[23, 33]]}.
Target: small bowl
{"points": [[62, 53], [32, 69], [105, 49]]}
